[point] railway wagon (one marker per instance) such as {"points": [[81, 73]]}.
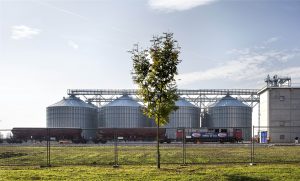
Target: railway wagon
{"points": [[40, 134], [210, 135], [130, 134]]}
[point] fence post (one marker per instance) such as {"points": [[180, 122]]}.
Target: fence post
{"points": [[252, 147], [116, 165], [48, 147], [183, 147]]}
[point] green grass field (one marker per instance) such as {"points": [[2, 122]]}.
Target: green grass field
{"points": [[71, 162], [230, 172], [145, 154]]}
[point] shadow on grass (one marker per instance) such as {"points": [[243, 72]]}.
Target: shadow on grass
{"points": [[11, 155], [243, 178]]}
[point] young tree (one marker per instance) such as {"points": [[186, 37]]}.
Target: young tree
{"points": [[154, 71]]}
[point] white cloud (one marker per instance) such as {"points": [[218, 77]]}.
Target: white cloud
{"points": [[177, 5], [248, 65], [23, 32], [271, 40], [239, 51], [73, 45]]}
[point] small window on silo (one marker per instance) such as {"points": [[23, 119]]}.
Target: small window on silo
{"points": [[281, 98], [281, 137]]}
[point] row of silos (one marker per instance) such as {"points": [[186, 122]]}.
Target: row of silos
{"points": [[125, 112]]}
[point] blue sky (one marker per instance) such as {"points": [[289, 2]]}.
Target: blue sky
{"points": [[47, 47]]}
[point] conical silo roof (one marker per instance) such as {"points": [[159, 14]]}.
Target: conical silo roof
{"points": [[229, 101], [181, 102], [125, 100], [71, 101]]}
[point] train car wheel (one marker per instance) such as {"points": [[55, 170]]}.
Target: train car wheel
{"points": [[103, 141]]}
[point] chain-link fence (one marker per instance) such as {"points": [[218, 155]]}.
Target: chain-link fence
{"points": [[276, 144], [136, 146], [15, 150]]}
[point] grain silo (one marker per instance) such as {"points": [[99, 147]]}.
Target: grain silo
{"points": [[186, 116], [72, 112], [124, 112], [230, 113]]}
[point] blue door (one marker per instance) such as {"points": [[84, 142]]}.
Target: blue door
{"points": [[263, 136]]}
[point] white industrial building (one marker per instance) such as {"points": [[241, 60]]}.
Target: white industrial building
{"points": [[279, 110]]}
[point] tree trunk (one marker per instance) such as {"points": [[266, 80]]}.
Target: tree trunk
{"points": [[158, 153]]}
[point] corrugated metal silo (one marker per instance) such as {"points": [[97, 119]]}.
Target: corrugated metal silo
{"points": [[123, 112], [186, 116], [72, 112], [101, 118], [230, 112]]}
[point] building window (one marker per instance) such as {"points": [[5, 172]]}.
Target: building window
{"points": [[281, 98], [281, 123], [281, 137]]}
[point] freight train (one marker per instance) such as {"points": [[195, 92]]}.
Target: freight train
{"points": [[104, 135], [74, 135]]}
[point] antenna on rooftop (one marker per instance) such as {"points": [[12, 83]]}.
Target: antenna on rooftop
{"points": [[277, 81]]}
